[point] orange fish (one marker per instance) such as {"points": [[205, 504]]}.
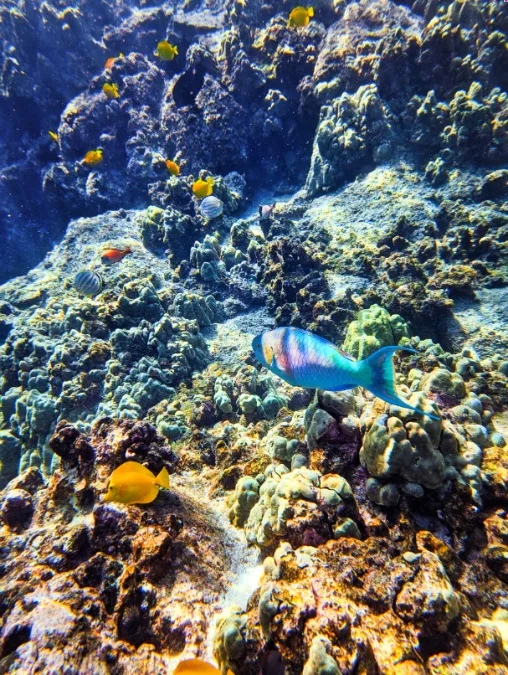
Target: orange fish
{"points": [[111, 61], [196, 667], [173, 167], [93, 157], [113, 255]]}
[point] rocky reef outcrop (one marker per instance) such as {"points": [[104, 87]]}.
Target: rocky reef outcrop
{"points": [[126, 585]]}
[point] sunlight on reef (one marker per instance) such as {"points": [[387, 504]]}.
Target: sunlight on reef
{"points": [[254, 337]]}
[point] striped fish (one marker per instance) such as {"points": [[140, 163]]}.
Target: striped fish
{"points": [[211, 207], [309, 361], [88, 283]]}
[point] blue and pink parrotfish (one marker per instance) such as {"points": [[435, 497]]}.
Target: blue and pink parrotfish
{"points": [[309, 361]]}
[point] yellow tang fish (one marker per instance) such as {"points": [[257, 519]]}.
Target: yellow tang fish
{"points": [[53, 136], [196, 667], [173, 167], [93, 157], [203, 188], [300, 16], [165, 51], [111, 90], [133, 483]]}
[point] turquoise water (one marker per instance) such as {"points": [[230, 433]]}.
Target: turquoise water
{"points": [[185, 488]]}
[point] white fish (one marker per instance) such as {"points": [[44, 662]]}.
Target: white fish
{"points": [[211, 207], [88, 282]]}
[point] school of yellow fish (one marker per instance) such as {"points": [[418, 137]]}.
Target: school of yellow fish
{"points": [[299, 17]]}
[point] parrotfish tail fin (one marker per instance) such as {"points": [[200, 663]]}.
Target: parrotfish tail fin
{"points": [[128, 250], [311, 11], [378, 374], [162, 479]]}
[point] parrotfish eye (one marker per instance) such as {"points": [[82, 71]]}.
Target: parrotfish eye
{"points": [[256, 343]]}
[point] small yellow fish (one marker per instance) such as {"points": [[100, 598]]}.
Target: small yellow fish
{"points": [[173, 167], [111, 61], [203, 188], [111, 90], [165, 51], [300, 16], [133, 483], [53, 136], [196, 667], [93, 157]]}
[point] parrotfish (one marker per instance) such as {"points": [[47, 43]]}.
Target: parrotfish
{"points": [[113, 255], [309, 361], [300, 16], [172, 167], [196, 667], [133, 483], [93, 157], [110, 90], [165, 51], [203, 188]]}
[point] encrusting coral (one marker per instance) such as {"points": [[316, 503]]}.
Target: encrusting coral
{"points": [[353, 132], [372, 329], [104, 572]]}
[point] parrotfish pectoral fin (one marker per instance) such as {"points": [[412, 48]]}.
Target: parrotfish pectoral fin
{"points": [[377, 375], [274, 366]]}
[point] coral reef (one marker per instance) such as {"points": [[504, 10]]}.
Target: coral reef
{"points": [[300, 506], [372, 329], [353, 133], [343, 592], [86, 358], [110, 578], [358, 163], [251, 394]]}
